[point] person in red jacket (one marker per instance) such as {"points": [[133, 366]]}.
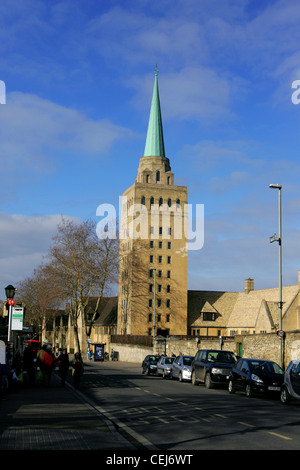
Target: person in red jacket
{"points": [[47, 365]]}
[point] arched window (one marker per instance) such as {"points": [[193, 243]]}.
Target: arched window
{"points": [[160, 201], [147, 178], [169, 179], [151, 201], [143, 200], [178, 203], [169, 202], [157, 175]]}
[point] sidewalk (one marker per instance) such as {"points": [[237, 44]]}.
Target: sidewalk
{"points": [[55, 418]]}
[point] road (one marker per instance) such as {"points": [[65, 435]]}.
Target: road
{"points": [[167, 415]]}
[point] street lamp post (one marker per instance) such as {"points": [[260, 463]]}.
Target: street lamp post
{"points": [[278, 238], [10, 293], [154, 300]]}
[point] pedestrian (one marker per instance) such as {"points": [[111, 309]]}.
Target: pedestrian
{"points": [[28, 364], [47, 366], [77, 369], [41, 375], [63, 365], [112, 354]]}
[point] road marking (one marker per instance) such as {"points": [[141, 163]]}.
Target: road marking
{"points": [[182, 403], [281, 436], [221, 416], [162, 420], [246, 424], [178, 419], [170, 399]]}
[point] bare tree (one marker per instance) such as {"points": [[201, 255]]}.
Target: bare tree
{"points": [[84, 266], [40, 295]]}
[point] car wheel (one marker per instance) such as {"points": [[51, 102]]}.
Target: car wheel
{"points": [[284, 396], [231, 388], [208, 382], [180, 377], [194, 381], [164, 375], [148, 371], [249, 392]]}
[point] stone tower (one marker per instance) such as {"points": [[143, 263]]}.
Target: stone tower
{"points": [[153, 246]]}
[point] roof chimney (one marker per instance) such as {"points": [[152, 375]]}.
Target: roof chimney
{"points": [[249, 285]]}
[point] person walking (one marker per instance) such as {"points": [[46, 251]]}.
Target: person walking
{"points": [[77, 369], [63, 365], [47, 366]]}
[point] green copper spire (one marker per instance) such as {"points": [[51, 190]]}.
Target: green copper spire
{"points": [[155, 140]]}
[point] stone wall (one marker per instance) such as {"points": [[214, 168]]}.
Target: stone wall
{"points": [[260, 346]]}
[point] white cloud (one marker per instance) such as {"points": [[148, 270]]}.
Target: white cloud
{"points": [[24, 241]]}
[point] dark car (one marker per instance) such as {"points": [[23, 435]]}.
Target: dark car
{"points": [[256, 376], [212, 367], [291, 385], [149, 364]]}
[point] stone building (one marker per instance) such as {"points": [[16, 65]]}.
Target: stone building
{"points": [[153, 247], [213, 313]]}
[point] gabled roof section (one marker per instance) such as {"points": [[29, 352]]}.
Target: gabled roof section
{"points": [[155, 140]]}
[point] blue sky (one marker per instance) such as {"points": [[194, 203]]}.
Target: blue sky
{"points": [[79, 77]]}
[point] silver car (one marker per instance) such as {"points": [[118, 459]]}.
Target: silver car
{"points": [[164, 366], [181, 368], [291, 386]]}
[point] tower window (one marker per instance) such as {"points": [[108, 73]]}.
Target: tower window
{"points": [[151, 201], [169, 259], [147, 178], [160, 201], [169, 200], [168, 303], [157, 176], [143, 200]]}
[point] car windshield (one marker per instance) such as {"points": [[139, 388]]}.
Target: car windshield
{"points": [[154, 358], [221, 356], [187, 360], [169, 360], [266, 367]]}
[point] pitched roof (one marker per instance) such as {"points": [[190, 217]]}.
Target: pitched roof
{"points": [[220, 302], [107, 310], [247, 306]]}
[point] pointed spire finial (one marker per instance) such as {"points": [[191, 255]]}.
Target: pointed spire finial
{"points": [[155, 140]]}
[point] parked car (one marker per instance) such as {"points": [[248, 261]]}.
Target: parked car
{"points": [[181, 368], [212, 366], [149, 364], [164, 366], [291, 385], [256, 376]]}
